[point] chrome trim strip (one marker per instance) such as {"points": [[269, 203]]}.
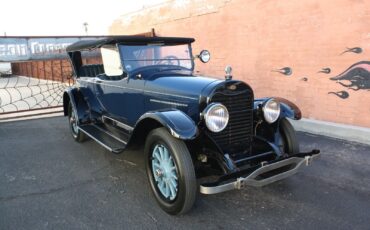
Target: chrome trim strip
{"points": [[119, 124], [145, 91], [251, 180], [168, 103]]}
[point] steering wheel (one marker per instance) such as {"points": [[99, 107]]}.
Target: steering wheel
{"points": [[169, 60]]}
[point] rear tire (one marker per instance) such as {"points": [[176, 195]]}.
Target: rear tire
{"points": [[170, 172], [73, 127], [289, 140]]}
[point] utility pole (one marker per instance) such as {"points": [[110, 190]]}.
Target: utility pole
{"points": [[86, 27]]}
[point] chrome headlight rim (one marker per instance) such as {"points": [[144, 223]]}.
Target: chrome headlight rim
{"points": [[271, 110], [204, 56], [209, 120]]}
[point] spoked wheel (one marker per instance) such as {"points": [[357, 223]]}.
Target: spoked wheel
{"points": [[170, 172], [75, 131], [165, 172], [288, 138]]}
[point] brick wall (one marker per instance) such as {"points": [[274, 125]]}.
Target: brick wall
{"points": [[260, 38], [55, 70]]}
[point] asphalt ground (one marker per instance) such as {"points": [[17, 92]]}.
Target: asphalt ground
{"points": [[49, 181]]}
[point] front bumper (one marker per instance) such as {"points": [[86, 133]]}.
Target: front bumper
{"points": [[265, 174]]}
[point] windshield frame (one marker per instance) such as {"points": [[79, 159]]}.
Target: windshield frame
{"points": [[169, 67]]}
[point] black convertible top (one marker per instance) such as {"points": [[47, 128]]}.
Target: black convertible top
{"points": [[131, 40]]}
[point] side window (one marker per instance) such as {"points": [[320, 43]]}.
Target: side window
{"points": [[91, 63], [111, 61]]}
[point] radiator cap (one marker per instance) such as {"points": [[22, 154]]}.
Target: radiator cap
{"points": [[228, 71]]}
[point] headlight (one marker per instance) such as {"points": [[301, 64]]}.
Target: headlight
{"points": [[271, 110], [216, 117], [204, 56]]}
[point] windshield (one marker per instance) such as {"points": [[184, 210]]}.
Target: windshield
{"points": [[164, 56]]}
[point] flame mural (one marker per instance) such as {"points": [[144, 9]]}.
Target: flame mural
{"points": [[356, 77]]}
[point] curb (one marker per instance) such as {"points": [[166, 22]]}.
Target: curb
{"points": [[31, 116], [331, 129]]}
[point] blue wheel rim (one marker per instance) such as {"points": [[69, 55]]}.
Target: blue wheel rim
{"points": [[73, 122], [165, 172]]}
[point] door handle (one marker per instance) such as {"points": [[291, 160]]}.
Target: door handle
{"points": [[98, 81], [138, 76]]}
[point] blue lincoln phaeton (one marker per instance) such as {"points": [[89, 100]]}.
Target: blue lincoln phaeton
{"points": [[200, 134]]}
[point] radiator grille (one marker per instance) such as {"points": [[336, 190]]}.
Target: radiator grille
{"points": [[236, 138]]}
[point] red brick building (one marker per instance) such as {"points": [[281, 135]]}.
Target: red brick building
{"points": [[292, 49]]}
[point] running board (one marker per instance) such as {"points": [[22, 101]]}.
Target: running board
{"points": [[104, 138]]}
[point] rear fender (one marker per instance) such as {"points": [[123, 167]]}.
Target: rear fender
{"points": [[74, 96]]}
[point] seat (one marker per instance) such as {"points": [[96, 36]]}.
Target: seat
{"points": [[91, 70]]}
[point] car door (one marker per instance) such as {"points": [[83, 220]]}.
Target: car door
{"points": [[119, 95], [122, 99]]}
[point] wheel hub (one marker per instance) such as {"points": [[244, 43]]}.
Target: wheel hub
{"points": [[165, 172], [159, 173]]}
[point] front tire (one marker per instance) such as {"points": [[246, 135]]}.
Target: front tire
{"points": [[170, 172], [73, 127], [288, 138]]}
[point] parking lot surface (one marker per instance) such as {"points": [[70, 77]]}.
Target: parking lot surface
{"points": [[49, 181]]}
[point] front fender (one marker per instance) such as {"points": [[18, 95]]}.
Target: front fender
{"points": [[288, 108], [179, 124]]}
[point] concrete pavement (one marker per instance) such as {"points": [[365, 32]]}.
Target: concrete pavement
{"points": [[48, 181]]}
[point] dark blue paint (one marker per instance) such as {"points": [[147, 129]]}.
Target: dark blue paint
{"points": [[177, 122]]}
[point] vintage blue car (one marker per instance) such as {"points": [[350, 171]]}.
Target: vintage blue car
{"points": [[200, 134]]}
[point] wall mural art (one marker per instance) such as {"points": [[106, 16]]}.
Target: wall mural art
{"points": [[356, 50], [285, 70], [356, 77], [325, 70], [342, 94]]}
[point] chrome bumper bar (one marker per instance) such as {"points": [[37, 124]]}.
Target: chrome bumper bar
{"points": [[294, 164]]}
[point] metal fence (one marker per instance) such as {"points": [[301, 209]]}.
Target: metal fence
{"points": [[20, 94], [40, 71]]}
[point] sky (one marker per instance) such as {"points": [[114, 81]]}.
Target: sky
{"points": [[66, 17]]}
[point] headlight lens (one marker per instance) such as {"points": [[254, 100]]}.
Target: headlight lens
{"points": [[271, 110], [216, 117]]}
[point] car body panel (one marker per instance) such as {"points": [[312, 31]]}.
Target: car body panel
{"points": [[177, 122]]}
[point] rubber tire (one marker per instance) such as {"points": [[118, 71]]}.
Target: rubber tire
{"points": [[79, 136], [289, 136], [187, 190]]}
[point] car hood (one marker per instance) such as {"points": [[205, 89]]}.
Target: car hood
{"points": [[181, 86]]}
